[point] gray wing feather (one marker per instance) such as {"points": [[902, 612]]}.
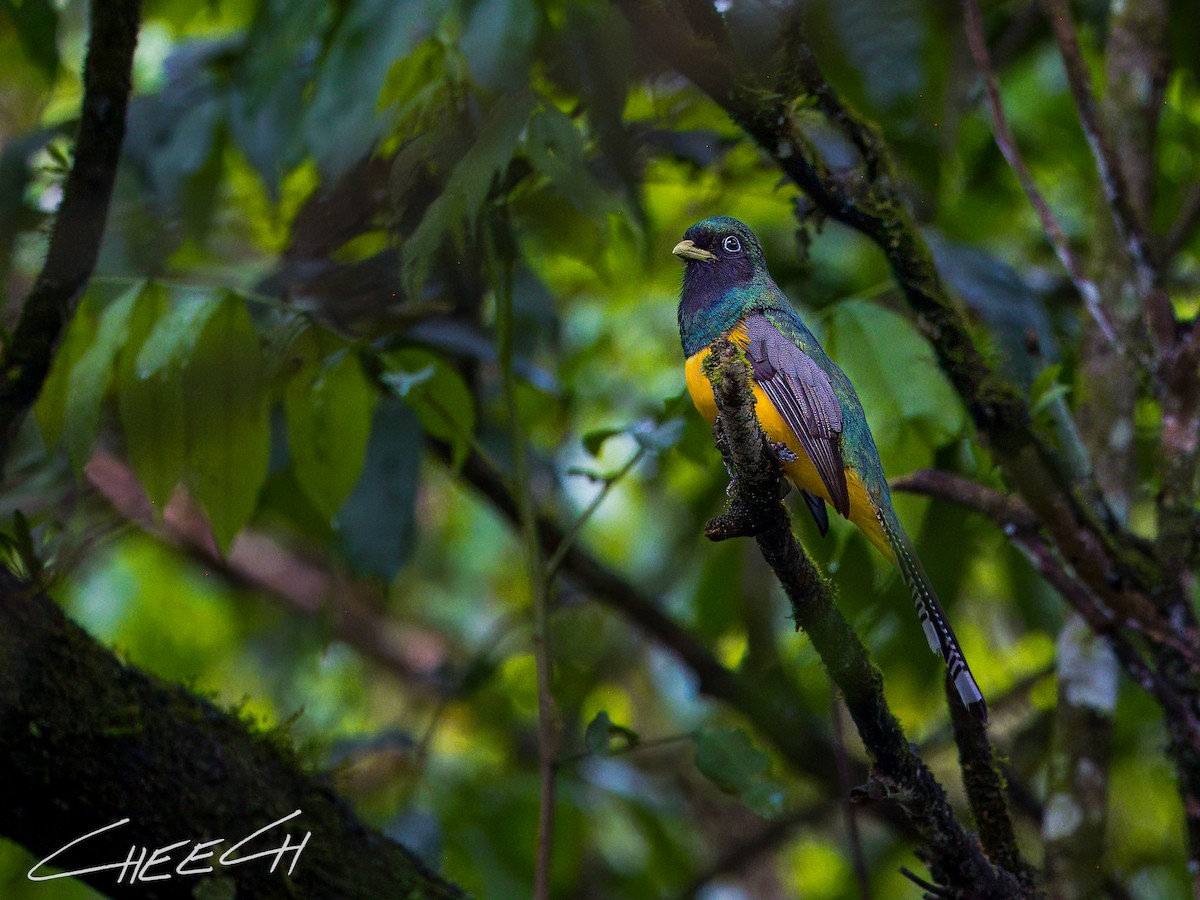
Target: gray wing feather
{"points": [[804, 396]]}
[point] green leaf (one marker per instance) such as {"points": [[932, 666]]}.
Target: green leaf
{"points": [[341, 124], [497, 41], [895, 375], [376, 526], [36, 24], [329, 408], [1046, 388], [598, 733], [229, 440], [658, 437], [467, 187], [23, 545], [174, 336], [593, 441], [150, 402], [92, 375], [555, 148], [51, 408], [728, 758], [436, 393]]}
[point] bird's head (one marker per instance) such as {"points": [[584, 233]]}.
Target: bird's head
{"points": [[721, 256], [719, 253]]}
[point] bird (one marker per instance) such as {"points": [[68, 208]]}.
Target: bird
{"points": [[806, 406]]}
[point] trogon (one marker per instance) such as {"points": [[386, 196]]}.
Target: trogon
{"points": [[805, 403]]}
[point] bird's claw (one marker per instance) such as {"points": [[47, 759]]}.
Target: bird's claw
{"points": [[783, 453]]}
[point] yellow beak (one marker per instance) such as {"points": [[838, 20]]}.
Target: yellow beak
{"points": [[688, 250]]}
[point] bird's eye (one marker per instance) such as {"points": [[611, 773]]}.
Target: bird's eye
{"points": [[732, 245]]}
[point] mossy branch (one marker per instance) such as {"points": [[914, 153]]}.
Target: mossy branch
{"points": [[86, 740], [955, 857], [1113, 564]]}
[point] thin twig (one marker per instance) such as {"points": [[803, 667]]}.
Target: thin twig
{"points": [[932, 889], [849, 809], [1130, 229], [79, 225], [539, 584], [560, 552], [1007, 143], [632, 747]]}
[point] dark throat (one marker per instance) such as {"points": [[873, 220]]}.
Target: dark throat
{"points": [[710, 304]]}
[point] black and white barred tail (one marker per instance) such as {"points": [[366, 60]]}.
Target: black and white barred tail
{"points": [[933, 618]]}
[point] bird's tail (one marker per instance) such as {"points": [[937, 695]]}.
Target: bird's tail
{"points": [[933, 618]]}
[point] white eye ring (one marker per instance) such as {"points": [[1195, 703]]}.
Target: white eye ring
{"points": [[732, 244]]}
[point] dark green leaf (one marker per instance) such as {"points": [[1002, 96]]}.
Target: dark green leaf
{"points": [[555, 148], [92, 376], [728, 758], [36, 24], [229, 439], [150, 401], [467, 187], [598, 733], [436, 393], [377, 524], [51, 408], [497, 40], [342, 121], [329, 408]]}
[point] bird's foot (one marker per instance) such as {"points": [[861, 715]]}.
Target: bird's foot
{"points": [[783, 453]]}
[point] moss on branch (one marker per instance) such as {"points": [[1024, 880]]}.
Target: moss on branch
{"points": [[86, 740], [955, 857]]}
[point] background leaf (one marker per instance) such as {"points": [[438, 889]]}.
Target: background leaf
{"points": [[229, 439], [329, 407]]}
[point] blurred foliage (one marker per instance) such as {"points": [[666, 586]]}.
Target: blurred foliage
{"points": [[293, 312]]}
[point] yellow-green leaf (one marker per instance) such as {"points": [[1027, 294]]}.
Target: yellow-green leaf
{"points": [[329, 407], [150, 403], [225, 395]]}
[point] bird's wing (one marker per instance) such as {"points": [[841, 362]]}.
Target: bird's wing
{"points": [[804, 396]]}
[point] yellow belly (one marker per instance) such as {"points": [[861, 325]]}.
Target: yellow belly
{"points": [[802, 472]]}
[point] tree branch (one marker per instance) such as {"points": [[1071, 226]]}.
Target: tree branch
{"points": [[1076, 809], [1130, 230], [1023, 529], [79, 225], [771, 705], [954, 856], [1109, 561], [86, 740], [259, 563], [986, 790], [1007, 143]]}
